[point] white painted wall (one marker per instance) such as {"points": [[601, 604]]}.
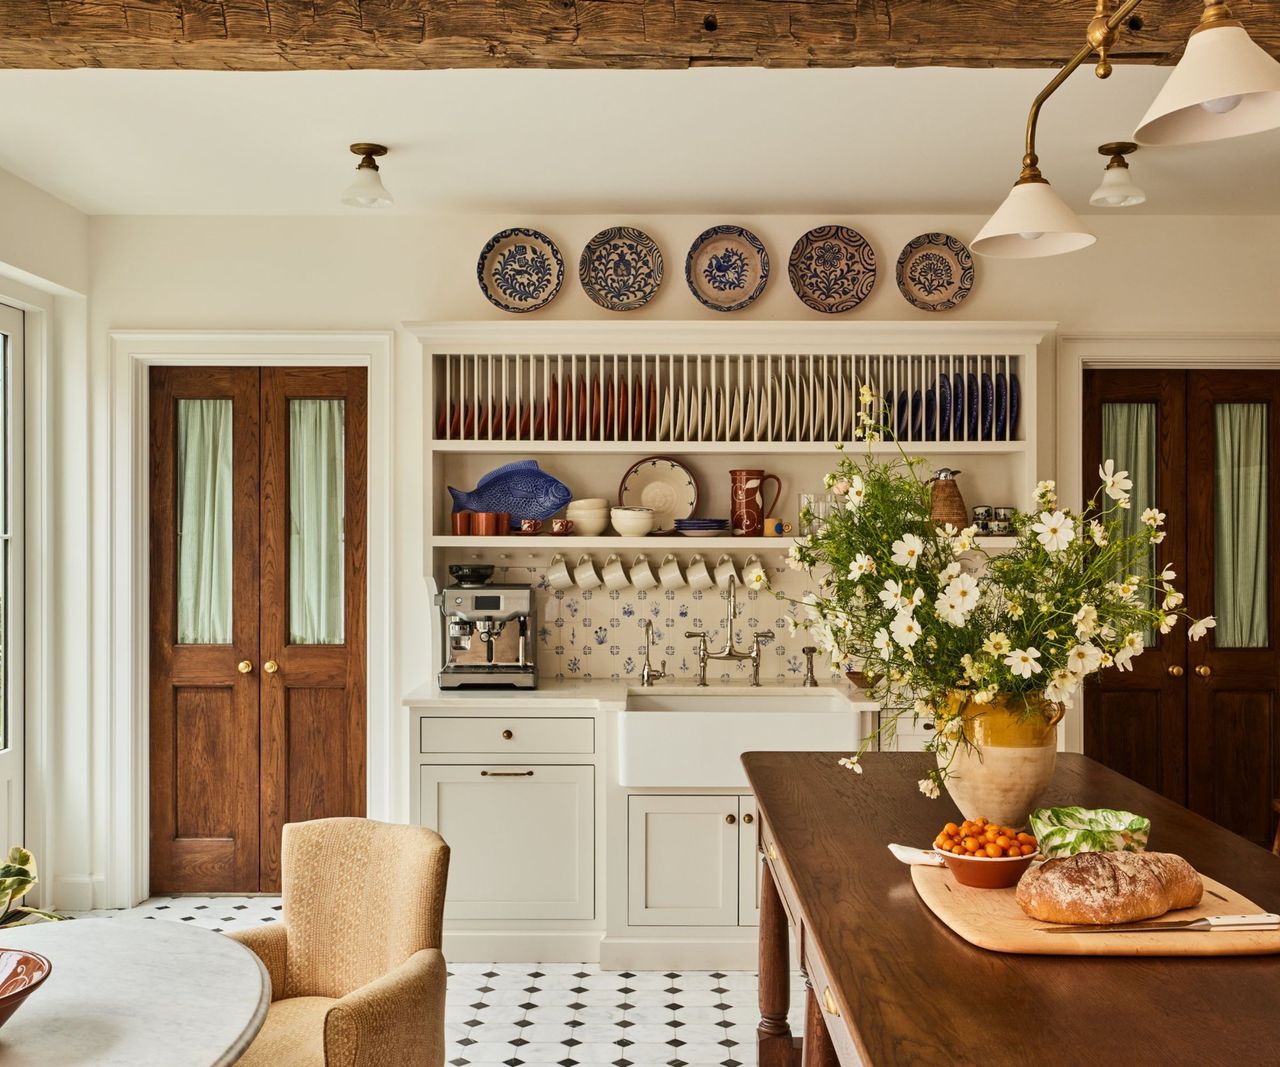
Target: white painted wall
{"points": [[1196, 274]]}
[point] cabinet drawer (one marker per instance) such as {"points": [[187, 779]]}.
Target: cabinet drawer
{"points": [[838, 1026], [510, 734]]}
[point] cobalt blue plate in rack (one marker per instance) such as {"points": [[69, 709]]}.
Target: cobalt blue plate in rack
{"points": [[1002, 407], [988, 406], [902, 416], [1015, 404], [957, 406], [916, 413], [930, 413], [944, 407], [971, 396]]}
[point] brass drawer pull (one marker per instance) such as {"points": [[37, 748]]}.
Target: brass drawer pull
{"points": [[507, 735], [829, 1002], [731, 819], [748, 818], [507, 774]]}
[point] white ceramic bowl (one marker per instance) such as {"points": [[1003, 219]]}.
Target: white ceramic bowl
{"points": [[591, 503], [589, 523], [632, 522]]}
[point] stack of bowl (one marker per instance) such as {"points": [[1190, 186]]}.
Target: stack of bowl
{"points": [[632, 521], [590, 516]]}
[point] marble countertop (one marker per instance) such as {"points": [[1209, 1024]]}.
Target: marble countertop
{"points": [[137, 993]]}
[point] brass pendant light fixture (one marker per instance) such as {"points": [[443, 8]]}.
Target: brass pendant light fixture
{"points": [[1118, 188], [1224, 86], [367, 190]]}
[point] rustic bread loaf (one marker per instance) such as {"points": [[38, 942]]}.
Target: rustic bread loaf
{"points": [[1101, 888]]}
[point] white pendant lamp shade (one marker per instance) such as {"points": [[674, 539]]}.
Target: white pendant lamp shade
{"points": [[367, 190], [1118, 189], [1032, 222], [1224, 86]]}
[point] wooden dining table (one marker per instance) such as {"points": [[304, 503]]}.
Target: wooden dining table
{"points": [[889, 984]]}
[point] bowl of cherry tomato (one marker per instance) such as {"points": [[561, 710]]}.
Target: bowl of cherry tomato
{"points": [[985, 855]]}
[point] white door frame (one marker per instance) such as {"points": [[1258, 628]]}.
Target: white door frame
{"points": [[124, 527], [1086, 351], [13, 321]]}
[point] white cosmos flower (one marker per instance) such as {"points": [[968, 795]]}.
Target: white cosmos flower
{"points": [[793, 558], [1167, 623], [891, 595], [1086, 620], [1201, 627], [963, 588], [950, 610], [915, 599], [905, 629], [1098, 532], [906, 551], [883, 642], [1023, 662], [929, 788], [997, 644], [1168, 574], [1062, 684], [1131, 646], [1172, 599], [1047, 493], [983, 696], [1153, 517], [862, 564], [758, 580], [851, 762], [1116, 483], [1054, 530], [949, 571], [857, 492], [1084, 659]]}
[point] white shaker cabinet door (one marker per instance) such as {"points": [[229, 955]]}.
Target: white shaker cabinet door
{"points": [[682, 858], [749, 863], [521, 839]]}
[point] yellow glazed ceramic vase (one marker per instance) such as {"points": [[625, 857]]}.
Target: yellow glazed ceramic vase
{"points": [[1007, 765]]}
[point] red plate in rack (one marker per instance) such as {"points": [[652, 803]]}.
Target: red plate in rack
{"points": [[623, 428], [522, 422], [583, 413], [595, 407], [637, 410], [653, 408], [610, 406]]}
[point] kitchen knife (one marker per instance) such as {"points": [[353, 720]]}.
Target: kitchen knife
{"points": [[1261, 921]]}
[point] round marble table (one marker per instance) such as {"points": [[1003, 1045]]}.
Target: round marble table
{"points": [[141, 992]]}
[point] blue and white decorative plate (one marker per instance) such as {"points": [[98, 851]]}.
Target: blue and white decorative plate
{"points": [[935, 271], [832, 269], [621, 268], [727, 268], [520, 270]]}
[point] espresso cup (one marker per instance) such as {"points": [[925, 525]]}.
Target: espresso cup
{"points": [[775, 527], [461, 523], [558, 576], [697, 574], [585, 574], [560, 527], [614, 574], [725, 572], [669, 572], [642, 576], [530, 526]]}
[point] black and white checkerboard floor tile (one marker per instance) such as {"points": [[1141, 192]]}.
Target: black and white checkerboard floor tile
{"points": [[567, 1014]]}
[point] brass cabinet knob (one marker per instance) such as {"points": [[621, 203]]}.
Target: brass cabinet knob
{"points": [[731, 819], [271, 666], [748, 818], [507, 735], [1176, 671], [244, 666], [1204, 670]]}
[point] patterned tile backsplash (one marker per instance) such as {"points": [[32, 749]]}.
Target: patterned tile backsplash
{"points": [[597, 634]]}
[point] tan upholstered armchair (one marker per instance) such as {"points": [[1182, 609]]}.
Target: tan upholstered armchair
{"points": [[357, 976]]}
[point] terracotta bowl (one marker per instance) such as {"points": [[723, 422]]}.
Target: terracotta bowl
{"points": [[987, 873], [21, 974]]}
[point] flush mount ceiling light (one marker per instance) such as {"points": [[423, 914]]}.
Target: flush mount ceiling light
{"points": [[1223, 86], [1118, 188], [367, 189]]}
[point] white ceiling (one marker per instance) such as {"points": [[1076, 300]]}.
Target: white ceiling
{"points": [[870, 140]]}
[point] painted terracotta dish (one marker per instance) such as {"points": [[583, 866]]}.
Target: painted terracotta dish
{"points": [[662, 484], [832, 269], [935, 271], [621, 268], [520, 270], [727, 268]]}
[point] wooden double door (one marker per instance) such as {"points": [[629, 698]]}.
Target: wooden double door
{"points": [[1197, 720], [257, 552]]}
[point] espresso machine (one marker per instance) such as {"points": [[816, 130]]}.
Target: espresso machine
{"points": [[489, 633]]}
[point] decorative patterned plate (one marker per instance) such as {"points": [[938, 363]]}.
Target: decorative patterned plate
{"points": [[832, 269], [520, 270], [935, 271], [727, 268], [621, 268], [662, 484]]}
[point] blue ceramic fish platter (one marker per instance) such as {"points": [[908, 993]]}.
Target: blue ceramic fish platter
{"points": [[522, 488]]}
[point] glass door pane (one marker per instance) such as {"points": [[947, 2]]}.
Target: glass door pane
{"points": [[317, 521], [204, 521], [1130, 437], [1240, 526]]}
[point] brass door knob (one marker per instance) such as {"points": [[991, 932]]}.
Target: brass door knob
{"points": [[271, 666], [507, 735], [748, 818], [1176, 671], [244, 666], [1204, 670], [731, 819]]}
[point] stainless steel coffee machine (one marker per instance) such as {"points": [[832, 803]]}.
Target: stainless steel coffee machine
{"points": [[490, 637]]}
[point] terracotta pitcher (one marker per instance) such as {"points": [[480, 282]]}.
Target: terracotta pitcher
{"points": [[746, 500]]}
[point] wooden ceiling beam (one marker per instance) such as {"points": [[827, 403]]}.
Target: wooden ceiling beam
{"points": [[431, 34]]}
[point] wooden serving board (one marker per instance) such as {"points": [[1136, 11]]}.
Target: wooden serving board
{"points": [[991, 919]]}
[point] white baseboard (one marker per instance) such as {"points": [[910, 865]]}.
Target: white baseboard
{"points": [[77, 892], [677, 954], [522, 946]]}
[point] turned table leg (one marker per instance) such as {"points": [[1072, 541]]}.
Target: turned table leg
{"points": [[818, 1049], [773, 1036]]}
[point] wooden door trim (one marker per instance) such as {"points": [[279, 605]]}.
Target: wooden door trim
{"points": [[120, 521], [1083, 351]]}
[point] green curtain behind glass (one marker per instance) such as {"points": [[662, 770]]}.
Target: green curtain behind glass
{"points": [[204, 522], [317, 509], [1240, 525], [1129, 437]]}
